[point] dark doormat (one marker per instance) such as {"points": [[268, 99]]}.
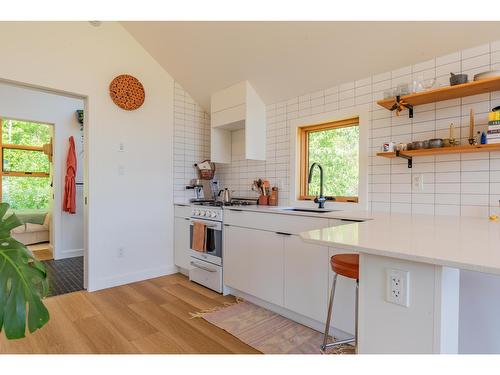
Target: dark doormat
{"points": [[65, 275]]}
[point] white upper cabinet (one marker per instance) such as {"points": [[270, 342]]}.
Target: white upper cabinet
{"points": [[238, 118]]}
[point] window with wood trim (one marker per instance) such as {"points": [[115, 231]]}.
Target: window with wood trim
{"points": [[25, 171], [335, 146]]}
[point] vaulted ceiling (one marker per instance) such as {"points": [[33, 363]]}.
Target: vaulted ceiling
{"points": [[286, 59]]}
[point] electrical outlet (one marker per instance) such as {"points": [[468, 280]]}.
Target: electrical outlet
{"points": [[121, 252], [398, 287], [418, 182], [121, 147], [121, 170]]}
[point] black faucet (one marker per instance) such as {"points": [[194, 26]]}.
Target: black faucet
{"points": [[321, 199]]}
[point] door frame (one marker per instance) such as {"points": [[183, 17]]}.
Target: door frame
{"points": [[84, 98]]}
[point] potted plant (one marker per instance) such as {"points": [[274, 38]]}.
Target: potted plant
{"points": [[23, 283]]}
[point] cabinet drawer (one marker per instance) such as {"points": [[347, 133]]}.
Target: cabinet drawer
{"points": [[273, 222]]}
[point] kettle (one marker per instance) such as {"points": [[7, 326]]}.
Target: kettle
{"points": [[224, 196]]}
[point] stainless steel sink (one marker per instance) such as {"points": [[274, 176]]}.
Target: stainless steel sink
{"points": [[315, 210]]}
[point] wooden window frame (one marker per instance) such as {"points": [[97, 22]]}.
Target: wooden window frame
{"points": [[304, 132], [16, 173]]}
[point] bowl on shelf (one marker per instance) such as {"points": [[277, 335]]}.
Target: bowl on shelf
{"points": [[458, 79], [436, 142], [486, 75], [417, 145]]}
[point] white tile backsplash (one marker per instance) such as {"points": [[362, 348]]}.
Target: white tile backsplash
{"points": [[191, 141], [454, 184]]}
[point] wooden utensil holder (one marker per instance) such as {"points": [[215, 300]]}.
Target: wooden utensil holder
{"points": [[263, 200]]}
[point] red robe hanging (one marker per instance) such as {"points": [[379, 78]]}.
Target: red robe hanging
{"points": [[69, 202]]}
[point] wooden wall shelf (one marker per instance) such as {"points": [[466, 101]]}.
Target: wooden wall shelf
{"points": [[408, 155], [446, 93], [444, 150]]}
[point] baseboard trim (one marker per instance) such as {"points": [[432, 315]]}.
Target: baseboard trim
{"points": [[70, 253], [308, 322], [151, 273]]}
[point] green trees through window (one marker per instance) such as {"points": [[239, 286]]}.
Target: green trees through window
{"points": [[335, 146], [26, 192], [337, 150], [25, 133], [20, 190]]}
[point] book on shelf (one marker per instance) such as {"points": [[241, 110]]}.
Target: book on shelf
{"points": [[493, 141]]}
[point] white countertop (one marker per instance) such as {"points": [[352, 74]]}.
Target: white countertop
{"points": [[282, 210], [458, 242]]}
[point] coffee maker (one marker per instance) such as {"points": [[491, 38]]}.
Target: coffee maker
{"points": [[205, 186], [204, 190]]}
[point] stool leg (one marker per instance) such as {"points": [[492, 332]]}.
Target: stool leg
{"points": [[329, 316], [356, 321]]}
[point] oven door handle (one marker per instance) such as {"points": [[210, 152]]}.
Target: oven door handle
{"points": [[197, 265], [209, 226]]}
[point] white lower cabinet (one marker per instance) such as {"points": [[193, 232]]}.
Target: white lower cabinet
{"points": [[262, 260], [306, 278], [181, 242], [253, 262]]}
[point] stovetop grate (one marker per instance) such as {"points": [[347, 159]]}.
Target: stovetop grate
{"points": [[234, 202]]}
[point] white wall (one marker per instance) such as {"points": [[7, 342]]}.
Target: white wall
{"points": [[26, 104], [132, 211]]}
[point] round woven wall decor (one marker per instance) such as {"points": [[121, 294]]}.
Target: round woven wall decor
{"points": [[127, 92]]}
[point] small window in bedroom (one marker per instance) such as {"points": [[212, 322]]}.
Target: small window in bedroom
{"points": [[335, 146], [25, 168]]}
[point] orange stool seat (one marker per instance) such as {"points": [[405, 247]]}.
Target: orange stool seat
{"points": [[346, 265]]}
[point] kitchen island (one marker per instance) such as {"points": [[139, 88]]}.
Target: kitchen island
{"points": [[428, 252]]}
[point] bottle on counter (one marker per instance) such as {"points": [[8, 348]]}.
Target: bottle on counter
{"points": [[273, 198]]}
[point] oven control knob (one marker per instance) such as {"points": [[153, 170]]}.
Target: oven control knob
{"points": [[196, 212], [214, 214], [202, 213]]}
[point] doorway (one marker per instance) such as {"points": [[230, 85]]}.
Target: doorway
{"points": [[34, 153]]}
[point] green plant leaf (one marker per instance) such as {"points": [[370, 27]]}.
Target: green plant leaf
{"points": [[23, 283]]}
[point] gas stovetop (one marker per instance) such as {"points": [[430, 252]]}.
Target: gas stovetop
{"points": [[234, 202]]}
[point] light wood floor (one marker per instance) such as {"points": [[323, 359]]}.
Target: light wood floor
{"points": [[41, 251], [146, 317]]}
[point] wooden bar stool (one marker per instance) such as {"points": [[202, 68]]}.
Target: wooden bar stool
{"points": [[346, 265]]}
